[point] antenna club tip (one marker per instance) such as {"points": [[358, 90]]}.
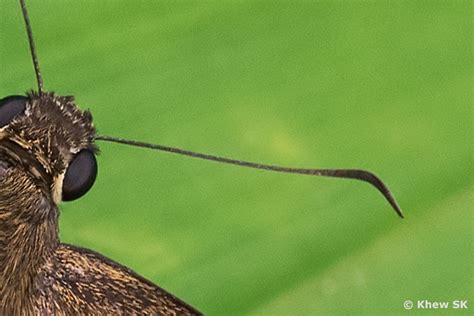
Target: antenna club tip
{"points": [[397, 208], [399, 211]]}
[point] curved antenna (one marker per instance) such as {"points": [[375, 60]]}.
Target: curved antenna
{"points": [[34, 57], [356, 174]]}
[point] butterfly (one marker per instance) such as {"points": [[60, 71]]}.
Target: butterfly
{"points": [[48, 149]]}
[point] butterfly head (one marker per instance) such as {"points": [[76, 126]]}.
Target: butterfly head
{"points": [[51, 140]]}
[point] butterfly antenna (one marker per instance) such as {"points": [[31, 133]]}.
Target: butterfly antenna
{"points": [[356, 174], [39, 79]]}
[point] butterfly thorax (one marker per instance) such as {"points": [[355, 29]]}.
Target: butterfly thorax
{"points": [[28, 237]]}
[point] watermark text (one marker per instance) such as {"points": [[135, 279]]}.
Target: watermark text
{"points": [[428, 304]]}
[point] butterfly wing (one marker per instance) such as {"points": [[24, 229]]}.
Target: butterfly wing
{"points": [[82, 281]]}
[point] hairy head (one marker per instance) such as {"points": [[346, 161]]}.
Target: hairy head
{"points": [[51, 140]]}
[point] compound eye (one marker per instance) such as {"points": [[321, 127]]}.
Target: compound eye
{"points": [[80, 175], [10, 107]]}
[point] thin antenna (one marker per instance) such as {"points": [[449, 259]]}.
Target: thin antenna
{"points": [[39, 80], [356, 174]]}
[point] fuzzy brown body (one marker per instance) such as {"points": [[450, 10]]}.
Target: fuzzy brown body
{"points": [[38, 274]]}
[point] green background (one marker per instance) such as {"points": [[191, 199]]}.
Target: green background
{"points": [[385, 86]]}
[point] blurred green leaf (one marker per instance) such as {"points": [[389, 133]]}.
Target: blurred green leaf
{"points": [[385, 86]]}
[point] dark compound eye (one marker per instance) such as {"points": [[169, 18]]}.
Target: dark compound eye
{"points": [[80, 175], [10, 107]]}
